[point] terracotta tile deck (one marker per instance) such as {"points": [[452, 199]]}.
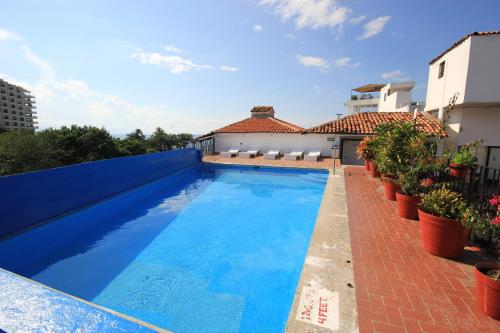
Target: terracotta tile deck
{"points": [[324, 163], [399, 287]]}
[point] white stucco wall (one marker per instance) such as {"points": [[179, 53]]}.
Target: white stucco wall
{"points": [[466, 125], [284, 141], [483, 76], [440, 90]]}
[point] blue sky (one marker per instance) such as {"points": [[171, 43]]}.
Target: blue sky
{"points": [[194, 66]]}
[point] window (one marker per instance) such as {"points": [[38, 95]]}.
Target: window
{"points": [[441, 70], [385, 96]]}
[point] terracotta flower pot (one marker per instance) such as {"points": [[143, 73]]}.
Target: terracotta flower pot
{"points": [[367, 165], [458, 170], [488, 290], [390, 187], [442, 237], [407, 206], [373, 170]]}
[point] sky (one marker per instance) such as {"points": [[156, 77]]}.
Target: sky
{"points": [[197, 65]]}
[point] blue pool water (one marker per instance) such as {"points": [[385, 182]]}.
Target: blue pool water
{"points": [[209, 249]]}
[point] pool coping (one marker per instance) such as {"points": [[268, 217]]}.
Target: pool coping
{"points": [[328, 263], [91, 304]]}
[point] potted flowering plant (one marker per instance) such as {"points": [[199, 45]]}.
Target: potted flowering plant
{"points": [[488, 273], [445, 223], [366, 151], [363, 152]]}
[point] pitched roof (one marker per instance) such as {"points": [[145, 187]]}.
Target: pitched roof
{"points": [[260, 125], [365, 123], [463, 39]]}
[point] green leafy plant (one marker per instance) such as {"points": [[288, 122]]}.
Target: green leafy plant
{"points": [[445, 203], [463, 156], [366, 148]]}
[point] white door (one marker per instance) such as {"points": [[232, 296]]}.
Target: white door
{"points": [[349, 156]]}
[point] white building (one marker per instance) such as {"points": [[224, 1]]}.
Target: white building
{"points": [[263, 131], [383, 98], [17, 109], [469, 70]]}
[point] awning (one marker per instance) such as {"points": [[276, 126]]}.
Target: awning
{"points": [[372, 87]]}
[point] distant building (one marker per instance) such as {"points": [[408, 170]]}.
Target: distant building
{"points": [[469, 70], [17, 109], [391, 97]]}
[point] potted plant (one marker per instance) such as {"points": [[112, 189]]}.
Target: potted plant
{"points": [[488, 288], [445, 221], [463, 159], [363, 152], [387, 152], [408, 195], [371, 148], [488, 273]]}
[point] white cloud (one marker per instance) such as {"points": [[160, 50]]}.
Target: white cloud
{"points": [[73, 101], [6, 35], [310, 61], [374, 27], [312, 14], [396, 75], [228, 68], [172, 48], [290, 36], [346, 62], [258, 28], [174, 63], [357, 19]]}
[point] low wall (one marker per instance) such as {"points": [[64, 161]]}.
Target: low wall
{"points": [[31, 198]]}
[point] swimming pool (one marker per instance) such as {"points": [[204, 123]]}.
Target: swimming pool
{"points": [[210, 249]]}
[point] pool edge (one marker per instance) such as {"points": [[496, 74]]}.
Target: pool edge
{"points": [[330, 243], [91, 304]]}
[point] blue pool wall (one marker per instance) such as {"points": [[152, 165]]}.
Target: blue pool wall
{"points": [[31, 198]]}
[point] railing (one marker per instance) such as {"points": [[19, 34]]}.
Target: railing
{"points": [[206, 146]]}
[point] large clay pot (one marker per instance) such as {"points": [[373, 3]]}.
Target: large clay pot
{"points": [[373, 170], [442, 237], [407, 206], [367, 165], [390, 187], [488, 290], [458, 170]]}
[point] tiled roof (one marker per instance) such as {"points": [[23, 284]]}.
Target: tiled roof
{"points": [[463, 39], [365, 123], [260, 125]]}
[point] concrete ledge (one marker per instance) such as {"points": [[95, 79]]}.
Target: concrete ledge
{"points": [[328, 264], [28, 306]]}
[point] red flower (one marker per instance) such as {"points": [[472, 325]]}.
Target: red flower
{"points": [[496, 220], [426, 182], [494, 201]]}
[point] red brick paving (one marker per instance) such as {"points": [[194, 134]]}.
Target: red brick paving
{"points": [[399, 287]]}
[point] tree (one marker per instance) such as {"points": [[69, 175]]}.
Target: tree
{"points": [[23, 151], [134, 144]]}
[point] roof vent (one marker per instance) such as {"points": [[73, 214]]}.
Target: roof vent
{"points": [[262, 112]]}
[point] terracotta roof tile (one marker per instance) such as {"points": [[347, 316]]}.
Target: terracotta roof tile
{"points": [[365, 123], [260, 125], [463, 39]]}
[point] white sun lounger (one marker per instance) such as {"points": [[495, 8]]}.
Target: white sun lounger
{"points": [[312, 155], [272, 154], [249, 153], [230, 153], [294, 155]]}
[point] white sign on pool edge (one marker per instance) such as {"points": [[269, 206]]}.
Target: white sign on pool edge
{"points": [[319, 307]]}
